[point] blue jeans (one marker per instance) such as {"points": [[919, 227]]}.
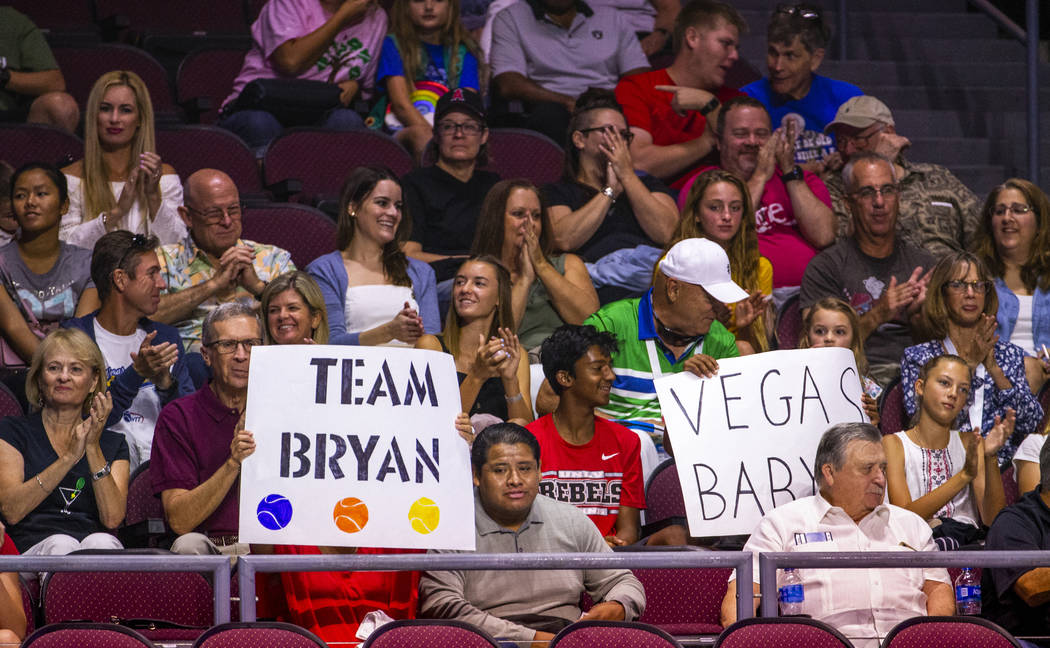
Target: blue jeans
{"points": [[258, 127]]}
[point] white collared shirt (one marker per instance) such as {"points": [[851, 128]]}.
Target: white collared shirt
{"points": [[863, 604]]}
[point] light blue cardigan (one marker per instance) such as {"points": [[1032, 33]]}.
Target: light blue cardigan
{"points": [[330, 274], [1009, 308]]}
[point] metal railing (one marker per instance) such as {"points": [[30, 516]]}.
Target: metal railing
{"points": [[218, 566], [248, 566]]}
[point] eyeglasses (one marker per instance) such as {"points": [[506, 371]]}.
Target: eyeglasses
{"points": [[226, 347], [858, 140], [961, 287], [804, 11], [1017, 209], [869, 193], [627, 135], [471, 128], [215, 215]]}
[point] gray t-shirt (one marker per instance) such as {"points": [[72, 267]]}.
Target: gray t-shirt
{"points": [[845, 272], [52, 296]]}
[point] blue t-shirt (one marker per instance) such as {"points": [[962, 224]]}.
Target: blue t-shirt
{"points": [[390, 65], [817, 108]]}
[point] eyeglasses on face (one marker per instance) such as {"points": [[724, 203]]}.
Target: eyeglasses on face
{"points": [[869, 193], [1017, 209], [627, 135], [804, 11], [215, 215], [229, 346], [858, 140], [471, 128], [959, 286]]}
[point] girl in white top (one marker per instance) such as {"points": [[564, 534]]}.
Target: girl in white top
{"points": [[939, 473], [121, 183], [1026, 462]]}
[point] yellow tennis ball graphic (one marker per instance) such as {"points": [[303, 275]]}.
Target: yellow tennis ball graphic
{"points": [[424, 515], [350, 515]]}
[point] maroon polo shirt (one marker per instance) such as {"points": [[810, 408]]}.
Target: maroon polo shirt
{"points": [[191, 441]]}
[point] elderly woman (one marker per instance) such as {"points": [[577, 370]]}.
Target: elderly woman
{"points": [[959, 314], [63, 478], [293, 309]]}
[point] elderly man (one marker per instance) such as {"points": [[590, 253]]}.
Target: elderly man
{"points": [[1018, 598], [848, 514], [510, 516], [213, 264], [881, 275], [668, 109], [548, 52], [792, 207], [937, 211], [200, 440], [144, 359], [796, 38]]}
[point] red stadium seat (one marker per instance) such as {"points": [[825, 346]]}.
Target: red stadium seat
{"points": [[663, 494], [193, 147], [86, 635], [948, 632], [613, 634], [892, 416], [789, 324], [304, 231], [207, 76], [30, 609], [257, 634], [776, 632], [144, 524], [82, 66], [684, 601], [21, 143], [431, 633], [521, 153], [9, 405], [182, 17]]}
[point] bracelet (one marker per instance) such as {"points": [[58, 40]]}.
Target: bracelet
{"points": [[515, 398], [706, 109], [609, 193], [42, 487]]}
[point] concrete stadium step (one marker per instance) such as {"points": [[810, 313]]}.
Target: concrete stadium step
{"points": [[966, 99], [927, 50], [889, 24], [951, 151], [982, 179], [957, 123], [906, 73]]}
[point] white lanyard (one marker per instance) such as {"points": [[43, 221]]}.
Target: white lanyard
{"points": [[977, 408]]}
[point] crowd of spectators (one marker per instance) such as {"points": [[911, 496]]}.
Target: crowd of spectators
{"points": [[689, 216]]}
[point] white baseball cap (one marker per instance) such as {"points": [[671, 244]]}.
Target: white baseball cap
{"points": [[703, 263]]}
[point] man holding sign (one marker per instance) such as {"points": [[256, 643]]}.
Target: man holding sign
{"points": [[849, 514]]}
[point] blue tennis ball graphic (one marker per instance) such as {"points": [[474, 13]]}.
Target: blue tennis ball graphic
{"points": [[274, 512]]}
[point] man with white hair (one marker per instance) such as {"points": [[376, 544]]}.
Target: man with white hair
{"points": [[849, 513]]}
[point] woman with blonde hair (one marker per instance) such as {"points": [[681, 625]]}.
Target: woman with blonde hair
{"points": [[294, 311], [121, 182], [719, 208], [63, 477]]}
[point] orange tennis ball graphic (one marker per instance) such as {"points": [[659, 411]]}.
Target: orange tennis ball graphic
{"points": [[424, 515], [350, 514]]}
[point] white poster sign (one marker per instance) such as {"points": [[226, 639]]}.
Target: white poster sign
{"points": [[744, 440], [355, 447]]}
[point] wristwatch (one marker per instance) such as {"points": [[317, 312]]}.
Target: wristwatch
{"points": [[706, 109], [608, 191], [793, 174], [102, 473]]}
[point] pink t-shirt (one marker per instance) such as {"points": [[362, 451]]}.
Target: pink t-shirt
{"points": [[779, 238], [353, 54]]}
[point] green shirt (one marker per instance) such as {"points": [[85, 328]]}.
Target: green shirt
{"points": [[24, 49]]}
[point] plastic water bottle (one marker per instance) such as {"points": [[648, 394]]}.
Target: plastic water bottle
{"points": [[791, 594], [967, 592]]}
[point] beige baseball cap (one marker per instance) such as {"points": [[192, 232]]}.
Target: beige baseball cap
{"points": [[703, 263], [861, 112]]}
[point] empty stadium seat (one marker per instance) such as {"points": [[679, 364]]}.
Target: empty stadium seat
{"points": [[257, 634], [948, 632], [204, 80], [144, 524], [82, 66], [776, 632], [63, 21], [521, 153], [663, 494], [86, 635], [684, 601], [21, 143], [892, 416], [789, 324], [9, 405], [321, 159], [190, 148], [613, 634], [304, 231], [186, 17], [445, 633]]}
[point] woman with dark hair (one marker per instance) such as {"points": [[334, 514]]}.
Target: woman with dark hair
{"points": [[1014, 241], [959, 315], [374, 294], [479, 334], [546, 290], [46, 280]]}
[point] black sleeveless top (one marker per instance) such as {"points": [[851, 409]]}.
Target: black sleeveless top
{"points": [[491, 398]]}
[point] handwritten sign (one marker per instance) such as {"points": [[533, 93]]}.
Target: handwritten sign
{"points": [[355, 447], [744, 440]]}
